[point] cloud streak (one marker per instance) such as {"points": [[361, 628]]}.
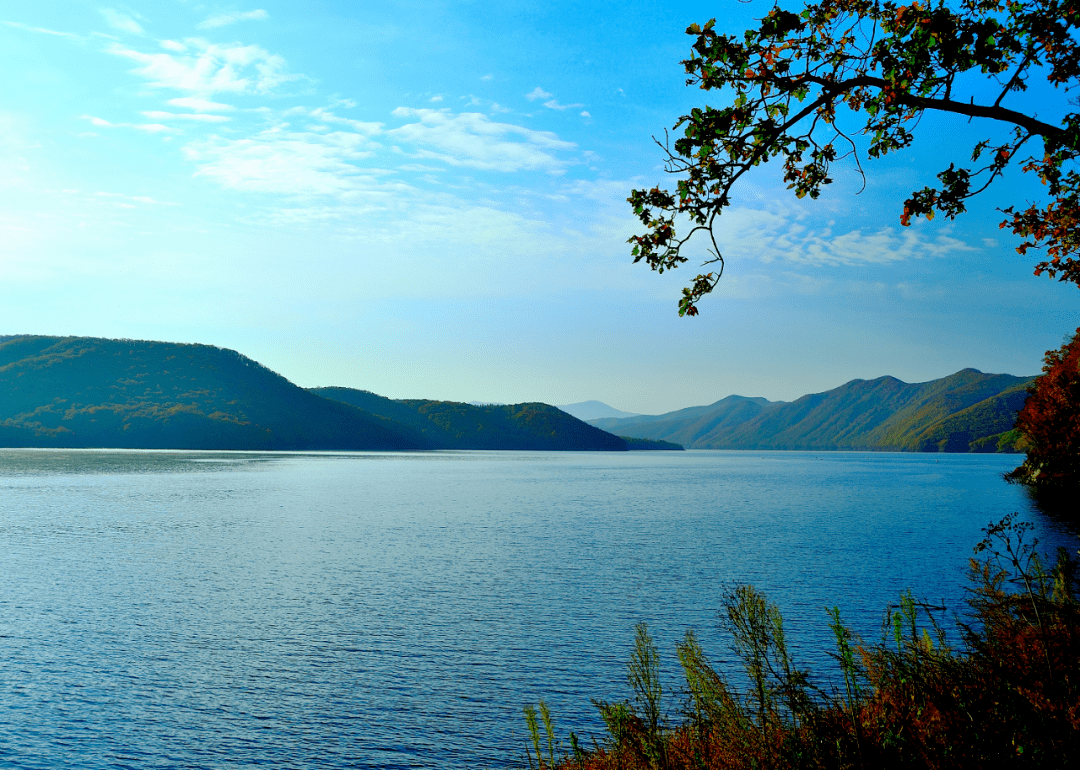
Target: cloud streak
{"points": [[210, 69], [199, 116], [153, 128], [39, 30], [473, 140], [122, 22], [286, 162], [225, 19]]}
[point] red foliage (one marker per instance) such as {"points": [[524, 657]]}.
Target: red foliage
{"points": [[1051, 422]]}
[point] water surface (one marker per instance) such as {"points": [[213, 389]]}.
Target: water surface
{"points": [[217, 609]]}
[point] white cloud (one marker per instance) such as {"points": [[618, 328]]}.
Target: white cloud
{"points": [[537, 93], [39, 30], [202, 117], [286, 162], [130, 201], [121, 21], [779, 236], [172, 45], [200, 105], [231, 18], [149, 127], [213, 68], [554, 105], [364, 127], [473, 140], [436, 98], [585, 114], [153, 128]]}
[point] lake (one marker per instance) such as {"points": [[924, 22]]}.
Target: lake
{"points": [[227, 609]]}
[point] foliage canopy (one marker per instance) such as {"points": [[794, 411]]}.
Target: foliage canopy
{"points": [[886, 64], [1050, 424]]}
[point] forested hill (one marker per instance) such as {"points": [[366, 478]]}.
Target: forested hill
{"points": [[966, 412], [88, 392], [453, 425]]}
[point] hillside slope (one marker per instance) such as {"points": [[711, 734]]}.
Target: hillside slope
{"points": [[454, 425], [967, 411], [89, 392]]}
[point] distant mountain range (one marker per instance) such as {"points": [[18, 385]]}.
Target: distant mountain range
{"points": [[966, 412], [594, 410], [89, 392]]}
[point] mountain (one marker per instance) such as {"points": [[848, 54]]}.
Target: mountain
{"points": [[453, 425], [966, 412], [593, 410], [690, 425], [88, 392]]}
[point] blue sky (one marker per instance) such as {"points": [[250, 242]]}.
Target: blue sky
{"points": [[428, 200]]}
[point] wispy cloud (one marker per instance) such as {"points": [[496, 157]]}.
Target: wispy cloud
{"points": [[367, 128], [782, 236], [39, 30], [154, 128], [130, 201], [551, 104], [286, 162], [122, 22], [211, 68], [200, 105], [197, 116], [225, 19], [473, 140]]}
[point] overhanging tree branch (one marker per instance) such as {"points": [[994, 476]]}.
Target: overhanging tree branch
{"points": [[794, 76]]}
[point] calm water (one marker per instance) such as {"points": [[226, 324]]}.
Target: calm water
{"points": [[193, 609]]}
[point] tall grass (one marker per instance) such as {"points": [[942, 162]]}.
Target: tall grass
{"points": [[1008, 693]]}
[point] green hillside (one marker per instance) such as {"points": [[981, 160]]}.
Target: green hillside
{"points": [[87, 392], [453, 425], [966, 412], [691, 426]]}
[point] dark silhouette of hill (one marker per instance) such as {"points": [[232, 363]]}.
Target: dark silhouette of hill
{"points": [[88, 392], [454, 425], [966, 412]]}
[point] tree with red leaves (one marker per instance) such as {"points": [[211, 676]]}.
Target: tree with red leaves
{"points": [[791, 84], [1050, 423]]}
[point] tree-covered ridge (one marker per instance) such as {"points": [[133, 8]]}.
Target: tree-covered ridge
{"points": [[454, 425], [89, 392], [966, 412]]}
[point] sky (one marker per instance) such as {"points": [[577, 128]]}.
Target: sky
{"points": [[428, 200]]}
